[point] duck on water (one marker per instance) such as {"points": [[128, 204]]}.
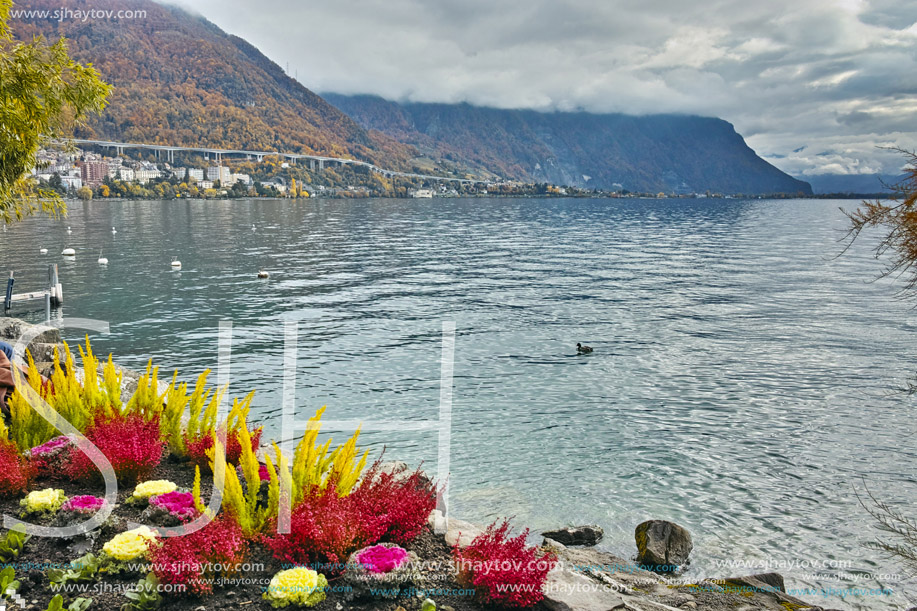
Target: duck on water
{"points": [[581, 349]]}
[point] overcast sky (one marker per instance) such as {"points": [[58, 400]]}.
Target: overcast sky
{"points": [[813, 85]]}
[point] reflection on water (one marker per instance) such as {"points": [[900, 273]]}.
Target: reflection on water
{"points": [[737, 384]]}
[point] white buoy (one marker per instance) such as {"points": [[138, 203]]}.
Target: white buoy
{"points": [[263, 274], [253, 227], [69, 252], [102, 260], [43, 250], [176, 264], [68, 229], [113, 230]]}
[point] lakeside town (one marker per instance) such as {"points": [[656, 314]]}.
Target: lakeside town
{"points": [[77, 173]]}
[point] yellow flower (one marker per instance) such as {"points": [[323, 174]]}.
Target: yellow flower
{"points": [[48, 499], [300, 587], [145, 490], [129, 545]]}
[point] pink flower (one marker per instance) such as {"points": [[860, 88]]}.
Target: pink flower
{"points": [[179, 504], [85, 503], [50, 446], [382, 559], [263, 473]]}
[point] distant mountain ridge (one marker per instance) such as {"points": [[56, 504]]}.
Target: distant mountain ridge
{"points": [[181, 80], [669, 153], [862, 184]]}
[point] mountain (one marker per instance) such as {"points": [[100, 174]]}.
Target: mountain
{"points": [[638, 153], [180, 80], [862, 184]]}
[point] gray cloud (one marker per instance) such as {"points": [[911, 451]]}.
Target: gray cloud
{"points": [[796, 77]]}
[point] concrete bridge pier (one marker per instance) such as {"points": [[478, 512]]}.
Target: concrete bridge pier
{"points": [[321, 165]]}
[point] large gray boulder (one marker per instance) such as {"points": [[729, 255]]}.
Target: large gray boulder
{"points": [[576, 535], [662, 545]]}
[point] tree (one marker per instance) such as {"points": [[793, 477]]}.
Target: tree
{"points": [[84, 193], [43, 95], [896, 218]]}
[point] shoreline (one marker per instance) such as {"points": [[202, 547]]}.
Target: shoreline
{"points": [[584, 578]]}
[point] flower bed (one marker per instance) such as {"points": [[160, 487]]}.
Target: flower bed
{"points": [[184, 556]]}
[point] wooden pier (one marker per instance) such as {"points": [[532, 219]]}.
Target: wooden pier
{"points": [[53, 296]]}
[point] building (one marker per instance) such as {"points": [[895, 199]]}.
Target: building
{"points": [[205, 184], [94, 173], [221, 173], [196, 174], [71, 182], [423, 193], [126, 173], [245, 179], [144, 176]]}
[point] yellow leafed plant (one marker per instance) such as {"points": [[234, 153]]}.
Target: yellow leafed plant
{"points": [[78, 402], [146, 400], [176, 402], [314, 467], [251, 515]]}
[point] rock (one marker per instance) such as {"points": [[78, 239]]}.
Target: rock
{"points": [[437, 521], [44, 353], [576, 535], [13, 329], [774, 580], [569, 591], [690, 605], [663, 545], [461, 533]]}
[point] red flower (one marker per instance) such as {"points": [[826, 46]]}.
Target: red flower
{"points": [[194, 560], [197, 447], [503, 570], [131, 445], [325, 530], [15, 471], [402, 502]]}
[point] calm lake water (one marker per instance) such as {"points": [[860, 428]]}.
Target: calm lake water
{"points": [[739, 384]]}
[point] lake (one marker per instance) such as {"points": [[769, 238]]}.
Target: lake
{"points": [[739, 384]]}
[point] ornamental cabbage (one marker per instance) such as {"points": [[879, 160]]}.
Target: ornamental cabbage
{"points": [[145, 490], [47, 501], [299, 587], [129, 545], [84, 503], [382, 558]]}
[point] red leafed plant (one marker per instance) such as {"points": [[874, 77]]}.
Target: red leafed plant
{"points": [[15, 471], [402, 501], [325, 529], [198, 447], [503, 570], [130, 443], [196, 559]]}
